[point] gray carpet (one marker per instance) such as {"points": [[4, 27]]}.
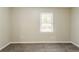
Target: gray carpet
{"points": [[41, 47]]}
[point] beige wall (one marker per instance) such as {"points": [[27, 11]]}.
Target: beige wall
{"points": [[75, 26], [26, 25], [4, 26], [22, 25]]}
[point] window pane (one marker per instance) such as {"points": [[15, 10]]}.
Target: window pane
{"points": [[46, 22]]}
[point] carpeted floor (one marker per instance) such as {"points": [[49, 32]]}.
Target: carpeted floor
{"points": [[41, 47]]}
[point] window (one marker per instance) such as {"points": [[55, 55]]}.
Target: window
{"points": [[46, 22]]}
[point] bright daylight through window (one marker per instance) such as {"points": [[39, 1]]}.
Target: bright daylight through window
{"points": [[46, 22]]}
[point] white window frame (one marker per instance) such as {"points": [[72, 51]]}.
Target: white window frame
{"points": [[46, 22]]}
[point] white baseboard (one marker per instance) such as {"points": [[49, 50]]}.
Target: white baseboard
{"points": [[75, 44], [43, 42], [4, 46]]}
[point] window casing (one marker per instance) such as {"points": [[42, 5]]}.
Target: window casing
{"points": [[46, 22]]}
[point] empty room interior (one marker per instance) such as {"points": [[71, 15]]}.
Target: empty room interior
{"points": [[39, 29]]}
